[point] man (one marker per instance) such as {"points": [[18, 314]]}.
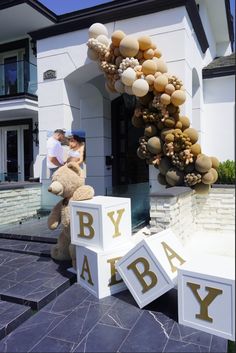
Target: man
{"points": [[55, 151]]}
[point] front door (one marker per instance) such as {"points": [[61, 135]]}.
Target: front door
{"points": [[130, 174], [14, 157]]}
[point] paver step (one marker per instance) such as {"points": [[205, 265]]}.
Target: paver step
{"points": [[11, 316], [32, 280], [25, 247], [28, 237]]}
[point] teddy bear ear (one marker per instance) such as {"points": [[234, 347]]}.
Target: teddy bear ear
{"points": [[75, 167]]}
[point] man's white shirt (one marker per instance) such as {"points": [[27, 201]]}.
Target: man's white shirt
{"points": [[54, 149]]}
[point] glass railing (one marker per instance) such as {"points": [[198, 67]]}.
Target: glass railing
{"points": [[18, 77], [139, 195]]}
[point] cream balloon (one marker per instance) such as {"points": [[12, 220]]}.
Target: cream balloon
{"points": [[140, 87]]}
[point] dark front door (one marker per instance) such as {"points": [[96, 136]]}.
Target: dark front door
{"points": [[130, 174]]}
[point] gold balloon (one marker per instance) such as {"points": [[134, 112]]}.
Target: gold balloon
{"points": [[178, 97], [116, 37], [149, 67], [145, 42]]}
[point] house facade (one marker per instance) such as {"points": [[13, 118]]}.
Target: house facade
{"points": [[70, 93]]}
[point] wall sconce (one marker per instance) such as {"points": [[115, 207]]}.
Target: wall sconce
{"points": [[35, 134], [33, 47]]}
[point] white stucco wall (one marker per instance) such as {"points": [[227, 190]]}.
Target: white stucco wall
{"points": [[219, 117]]}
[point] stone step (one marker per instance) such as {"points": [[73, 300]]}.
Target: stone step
{"points": [[32, 280], [28, 237], [11, 316], [25, 247]]}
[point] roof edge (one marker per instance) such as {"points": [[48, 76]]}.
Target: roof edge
{"points": [[119, 10], [218, 72], [4, 4], [230, 23]]}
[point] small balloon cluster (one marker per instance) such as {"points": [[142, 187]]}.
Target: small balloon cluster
{"points": [[135, 66]]}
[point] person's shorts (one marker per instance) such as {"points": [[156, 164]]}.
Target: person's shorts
{"points": [[52, 170]]}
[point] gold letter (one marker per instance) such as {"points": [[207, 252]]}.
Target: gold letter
{"points": [[85, 268], [83, 224], [172, 256], [117, 222], [146, 272], [113, 271], [204, 303]]}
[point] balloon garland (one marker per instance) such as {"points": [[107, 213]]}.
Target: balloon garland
{"points": [[135, 66]]}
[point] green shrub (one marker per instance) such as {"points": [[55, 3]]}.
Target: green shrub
{"points": [[226, 172]]}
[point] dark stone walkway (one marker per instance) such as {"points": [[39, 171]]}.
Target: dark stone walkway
{"points": [[43, 310]]}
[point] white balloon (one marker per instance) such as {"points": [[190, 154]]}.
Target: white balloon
{"points": [[128, 77], [140, 87], [103, 39], [92, 55], [96, 29]]}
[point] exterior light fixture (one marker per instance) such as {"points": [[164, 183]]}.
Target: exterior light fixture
{"points": [[35, 133]]}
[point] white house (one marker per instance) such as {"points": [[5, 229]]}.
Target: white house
{"points": [[71, 90]]}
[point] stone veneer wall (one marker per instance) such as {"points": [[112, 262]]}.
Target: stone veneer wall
{"points": [[19, 201], [186, 212], [216, 212]]}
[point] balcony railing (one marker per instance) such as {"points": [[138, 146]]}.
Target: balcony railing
{"points": [[18, 77]]}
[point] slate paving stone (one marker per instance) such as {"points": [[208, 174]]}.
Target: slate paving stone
{"points": [[30, 333], [122, 314], [11, 316], [25, 247], [218, 345], [103, 339], [67, 301], [33, 280], [49, 344], [147, 335]]}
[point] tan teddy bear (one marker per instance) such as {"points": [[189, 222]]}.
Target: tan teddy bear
{"points": [[68, 183]]}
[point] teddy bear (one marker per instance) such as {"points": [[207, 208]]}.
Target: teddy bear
{"points": [[69, 183]]}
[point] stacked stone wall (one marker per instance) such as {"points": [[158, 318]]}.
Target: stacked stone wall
{"points": [[188, 212], [17, 204]]}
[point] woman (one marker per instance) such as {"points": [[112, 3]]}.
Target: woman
{"points": [[76, 151]]}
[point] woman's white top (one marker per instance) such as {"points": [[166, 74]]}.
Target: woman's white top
{"points": [[76, 154], [73, 153]]}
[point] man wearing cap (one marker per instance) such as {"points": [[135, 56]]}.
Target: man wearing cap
{"points": [[55, 151]]}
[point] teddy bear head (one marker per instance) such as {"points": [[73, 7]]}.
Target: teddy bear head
{"points": [[66, 180]]}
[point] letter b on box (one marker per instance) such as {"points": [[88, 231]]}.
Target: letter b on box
{"points": [[150, 268], [102, 222]]}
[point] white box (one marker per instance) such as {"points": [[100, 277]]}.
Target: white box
{"points": [[150, 268], [206, 295], [96, 269], [103, 222]]}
